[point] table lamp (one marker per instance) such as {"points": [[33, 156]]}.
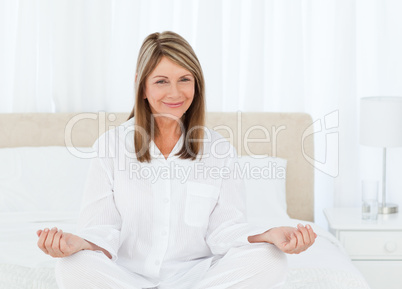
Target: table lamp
{"points": [[381, 126]]}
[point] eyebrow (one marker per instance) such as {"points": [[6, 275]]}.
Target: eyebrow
{"points": [[167, 77]]}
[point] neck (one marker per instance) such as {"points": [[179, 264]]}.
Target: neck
{"points": [[168, 127]]}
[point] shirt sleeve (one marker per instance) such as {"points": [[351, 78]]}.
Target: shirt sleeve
{"points": [[228, 226], [99, 221]]}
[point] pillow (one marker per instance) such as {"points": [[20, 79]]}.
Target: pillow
{"points": [[265, 181], [42, 178]]}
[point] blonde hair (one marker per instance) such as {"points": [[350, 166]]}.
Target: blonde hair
{"points": [[178, 50]]}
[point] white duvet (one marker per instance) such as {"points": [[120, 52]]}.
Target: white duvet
{"points": [[23, 265]]}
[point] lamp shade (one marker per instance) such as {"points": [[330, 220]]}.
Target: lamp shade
{"points": [[381, 121]]}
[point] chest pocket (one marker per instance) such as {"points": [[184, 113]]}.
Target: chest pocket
{"points": [[200, 201]]}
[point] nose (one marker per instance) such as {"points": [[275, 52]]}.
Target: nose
{"points": [[174, 91]]}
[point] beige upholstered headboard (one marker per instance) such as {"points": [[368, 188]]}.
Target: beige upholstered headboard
{"points": [[285, 135]]}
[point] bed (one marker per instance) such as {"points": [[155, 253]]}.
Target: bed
{"points": [[44, 158]]}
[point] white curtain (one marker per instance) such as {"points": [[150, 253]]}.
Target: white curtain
{"points": [[311, 56]]}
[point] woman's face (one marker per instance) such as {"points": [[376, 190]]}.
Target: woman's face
{"points": [[169, 88]]}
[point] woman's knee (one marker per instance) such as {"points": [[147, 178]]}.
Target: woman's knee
{"points": [[268, 258], [73, 262], [71, 269], [271, 260], [269, 253]]}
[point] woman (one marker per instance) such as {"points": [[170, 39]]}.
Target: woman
{"points": [[154, 217]]}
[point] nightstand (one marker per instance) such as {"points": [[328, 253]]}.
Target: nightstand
{"points": [[375, 247]]}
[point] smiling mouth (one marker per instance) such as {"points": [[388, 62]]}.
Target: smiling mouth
{"points": [[177, 104]]}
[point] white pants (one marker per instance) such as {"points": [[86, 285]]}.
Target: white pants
{"points": [[256, 266]]}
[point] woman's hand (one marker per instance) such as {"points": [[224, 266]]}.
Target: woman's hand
{"points": [[57, 243], [288, 239]]}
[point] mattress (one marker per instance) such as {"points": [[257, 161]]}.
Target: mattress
{"points": [[325, 265]]}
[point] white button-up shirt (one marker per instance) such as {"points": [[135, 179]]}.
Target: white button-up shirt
{"points": [[168, 217]]}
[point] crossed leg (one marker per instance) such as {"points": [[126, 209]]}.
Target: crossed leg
{"points": [[257, 266], [92, 269]]}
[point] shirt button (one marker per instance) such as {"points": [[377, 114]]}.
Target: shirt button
{"points": [[157, 262], [166, 200], [164, 233]]}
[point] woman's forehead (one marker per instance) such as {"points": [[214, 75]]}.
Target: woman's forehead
{"points": [[168, 68]]}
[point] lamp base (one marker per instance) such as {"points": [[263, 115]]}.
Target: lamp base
{"points": [[388, 209]]}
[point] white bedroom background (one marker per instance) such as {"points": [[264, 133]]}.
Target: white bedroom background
{"points": [[318, 57]]}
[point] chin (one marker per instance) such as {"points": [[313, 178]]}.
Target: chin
{"points": [[178, 115], [174, 114]]}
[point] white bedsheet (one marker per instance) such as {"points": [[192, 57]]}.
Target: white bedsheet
{"points": [[23, 265], [18, 236]]}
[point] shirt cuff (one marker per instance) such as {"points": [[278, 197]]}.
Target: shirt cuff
{"points": [[99, 242], [252, 230]]}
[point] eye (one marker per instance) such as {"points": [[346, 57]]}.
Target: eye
{"points": [[185, 79], [162, 81]]}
